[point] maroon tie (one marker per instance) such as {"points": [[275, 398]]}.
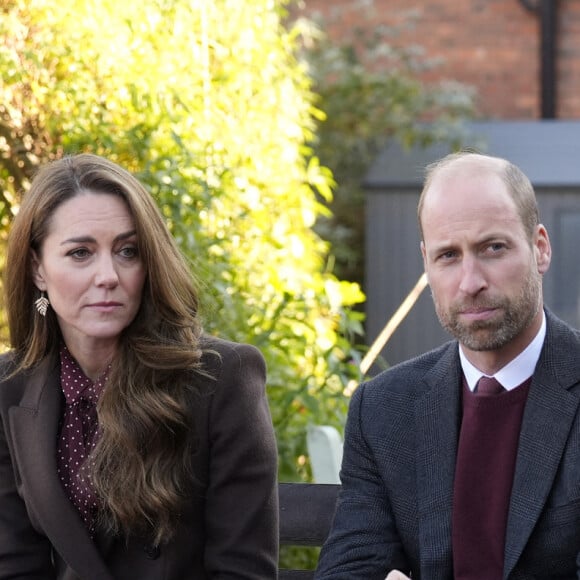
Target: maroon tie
{"points": [[488, 386]]}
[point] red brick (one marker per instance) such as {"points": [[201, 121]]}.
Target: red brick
{"points": [[492, 45]]}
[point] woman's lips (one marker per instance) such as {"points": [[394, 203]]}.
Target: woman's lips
{"points": [[105, 306]]}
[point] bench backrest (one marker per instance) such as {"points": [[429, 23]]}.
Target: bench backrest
{"points": [[306, 514]]}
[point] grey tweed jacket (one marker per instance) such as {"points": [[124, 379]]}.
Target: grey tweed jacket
{"points": [[394, 511]]}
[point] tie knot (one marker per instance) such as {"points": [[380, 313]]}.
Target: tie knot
{"points": [[489, 386]]}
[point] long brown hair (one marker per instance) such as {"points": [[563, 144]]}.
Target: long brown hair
{"points": [[140, 467]]}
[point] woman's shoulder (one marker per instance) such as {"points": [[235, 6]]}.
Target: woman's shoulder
{"points": [[7, 366], [12, 377], [7, 358], [229, 363], [220, 351], [10, 382]]}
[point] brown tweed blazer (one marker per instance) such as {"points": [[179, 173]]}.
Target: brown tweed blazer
{"points": [[229, 528]]}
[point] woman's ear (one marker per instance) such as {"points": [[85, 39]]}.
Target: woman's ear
{"points": [[37, 271]]}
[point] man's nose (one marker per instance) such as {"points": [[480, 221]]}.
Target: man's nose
{"points": [[473, 278]]}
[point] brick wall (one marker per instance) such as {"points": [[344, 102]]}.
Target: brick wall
{"points": [[569, 60], [492, 45]]}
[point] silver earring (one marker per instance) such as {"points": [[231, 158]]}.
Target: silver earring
{"points": [[42, 304]]}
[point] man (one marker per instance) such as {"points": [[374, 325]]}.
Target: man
{"points": [[442, 478]]}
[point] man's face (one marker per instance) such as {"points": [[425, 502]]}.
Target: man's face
{"points": [[484, 272]]}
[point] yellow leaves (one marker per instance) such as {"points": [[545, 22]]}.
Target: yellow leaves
{"points": [[343, 293], [206, 101]]}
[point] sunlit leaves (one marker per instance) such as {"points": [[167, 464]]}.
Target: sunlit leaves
{"points": [[208, 105]]}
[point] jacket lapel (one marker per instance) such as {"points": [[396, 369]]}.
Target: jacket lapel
{"points": [[437, 435], [548, 417], [34, 425]]}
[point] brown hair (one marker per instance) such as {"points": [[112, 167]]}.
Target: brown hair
{"points": [[517, 183], [140, 466]]}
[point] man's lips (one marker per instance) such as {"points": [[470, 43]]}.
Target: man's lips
{"points": [[478, 313]]}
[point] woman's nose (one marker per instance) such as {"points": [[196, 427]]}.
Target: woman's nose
{"points": [[106, 274]]}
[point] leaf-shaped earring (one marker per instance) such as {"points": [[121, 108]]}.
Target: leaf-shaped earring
{"points": [[42, 304]]}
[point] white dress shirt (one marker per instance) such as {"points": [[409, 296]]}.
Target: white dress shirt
{"points": [[516, 371]]}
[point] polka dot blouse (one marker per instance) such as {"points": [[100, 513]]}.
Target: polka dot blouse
{"points": [[78, 435]]}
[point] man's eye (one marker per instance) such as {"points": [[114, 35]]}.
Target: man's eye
{"points": [[449, 255]]}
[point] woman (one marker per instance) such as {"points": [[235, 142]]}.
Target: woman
{"points": [[131, 445]]}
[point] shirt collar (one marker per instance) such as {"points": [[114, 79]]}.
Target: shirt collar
{"points": [[516, 371], [75, 384]]}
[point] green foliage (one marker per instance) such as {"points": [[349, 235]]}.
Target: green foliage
{"points": [[371, 91], [207, 104]]}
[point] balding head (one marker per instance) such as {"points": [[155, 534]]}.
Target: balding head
{"points": [[475, 164]]}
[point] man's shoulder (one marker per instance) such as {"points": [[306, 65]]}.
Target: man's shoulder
{"points": [[408, 376], [558, 330], [559, 356]]}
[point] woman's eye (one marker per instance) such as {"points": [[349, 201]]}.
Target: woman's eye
{"points": [[129, 252], [79, 253]]}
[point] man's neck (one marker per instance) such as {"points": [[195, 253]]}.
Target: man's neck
{"points": [[493, 361]]}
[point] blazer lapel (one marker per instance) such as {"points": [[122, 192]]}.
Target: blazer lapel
{"points": [[548, 417], [34, 424], [437, 435]]}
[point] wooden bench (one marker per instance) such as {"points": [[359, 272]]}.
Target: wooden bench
{"points": [[306, 514]]}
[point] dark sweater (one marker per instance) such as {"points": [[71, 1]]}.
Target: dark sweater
{"points": [[484, 470]]}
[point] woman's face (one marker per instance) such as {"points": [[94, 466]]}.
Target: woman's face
{"points": [[90, 267]]}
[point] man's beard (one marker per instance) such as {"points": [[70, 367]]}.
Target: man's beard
{"points": [[484, 335]]}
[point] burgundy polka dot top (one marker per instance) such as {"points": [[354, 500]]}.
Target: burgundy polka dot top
{"points": [[78, 435]]}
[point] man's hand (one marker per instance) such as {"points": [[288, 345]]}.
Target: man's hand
{"points": [[396, 575]]}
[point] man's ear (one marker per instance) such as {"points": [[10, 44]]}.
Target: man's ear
{"points": [[543, 249], [37, 271], [424, 254]]}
